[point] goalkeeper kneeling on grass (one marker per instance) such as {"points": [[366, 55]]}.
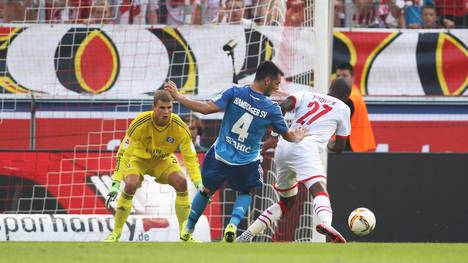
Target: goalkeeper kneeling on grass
{"points": [[148, 148]]}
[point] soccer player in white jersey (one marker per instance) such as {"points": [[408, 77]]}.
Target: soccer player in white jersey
{"points": [[323, 116]]}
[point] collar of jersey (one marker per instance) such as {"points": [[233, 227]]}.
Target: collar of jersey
{"points": [[255, 92], [157, 127]]}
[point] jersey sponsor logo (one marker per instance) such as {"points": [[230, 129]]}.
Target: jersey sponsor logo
{"points": [[246, 106], [158, 154], [170, 139], [239, 146]]}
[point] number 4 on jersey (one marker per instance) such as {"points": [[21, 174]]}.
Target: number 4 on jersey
{"points": [[241, 127], [315, 107]]}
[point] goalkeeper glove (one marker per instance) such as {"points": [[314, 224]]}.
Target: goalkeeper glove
{"points": [[112, 195]]}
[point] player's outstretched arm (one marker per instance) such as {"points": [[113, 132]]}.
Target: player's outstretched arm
{"points": [[295, 135], [204, 107], [337, 145]]}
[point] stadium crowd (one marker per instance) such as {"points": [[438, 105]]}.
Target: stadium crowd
{"points": [[348, 13]]}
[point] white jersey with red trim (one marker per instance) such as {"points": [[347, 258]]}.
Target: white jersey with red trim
{"points": [[300, 162], [322, 115]]}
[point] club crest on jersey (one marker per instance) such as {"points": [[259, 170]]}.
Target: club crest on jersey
{"points": [[170, 139], [126, 143]]}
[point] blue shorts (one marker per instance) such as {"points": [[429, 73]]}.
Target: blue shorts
{"points": [[241, 178]]}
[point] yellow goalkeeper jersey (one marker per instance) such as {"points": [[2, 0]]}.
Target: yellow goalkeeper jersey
{"points": [[150, 142]]}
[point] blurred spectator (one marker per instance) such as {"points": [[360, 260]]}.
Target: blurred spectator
{"points": [[362, 137], [233, 13], [339, 13], [364, 13], [179, 12], [294, 13], [412, 10], [429, 17], [454, 13], [1, 11], [390, 14], [20, 11], [78, 10], [100, 13], [137, 12], [196, 130], [268, 12], [52, 11], [206, 11]]}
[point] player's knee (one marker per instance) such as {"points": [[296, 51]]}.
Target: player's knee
{"points": [[132, 183], [131, 188], [180, 184], [318, 187]]}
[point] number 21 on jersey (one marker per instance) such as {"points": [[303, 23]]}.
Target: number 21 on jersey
{"points": [[241, 127], [315, 106]]}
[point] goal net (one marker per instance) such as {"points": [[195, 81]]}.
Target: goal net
{"points": [[75, 73]]}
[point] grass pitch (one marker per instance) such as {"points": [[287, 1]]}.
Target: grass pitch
{"points": [[238, 253]]}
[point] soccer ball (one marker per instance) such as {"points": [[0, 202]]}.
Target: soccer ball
{"points": [[361, 221]]}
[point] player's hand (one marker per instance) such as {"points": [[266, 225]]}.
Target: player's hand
{"points": [[300, 133], [171, 87], [112, 195], [269, 143], [448, 23]]}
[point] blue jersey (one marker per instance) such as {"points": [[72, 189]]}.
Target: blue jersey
{"points": [[247, 114]]}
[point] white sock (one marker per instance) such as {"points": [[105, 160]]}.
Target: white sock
{"points": [[267, 218], [322, 208]]}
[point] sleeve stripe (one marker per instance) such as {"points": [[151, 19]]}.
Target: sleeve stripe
{"points": [[183, 127], [135, 125]]}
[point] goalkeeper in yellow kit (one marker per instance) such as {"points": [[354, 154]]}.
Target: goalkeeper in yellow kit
{"points": [[148, 148]]}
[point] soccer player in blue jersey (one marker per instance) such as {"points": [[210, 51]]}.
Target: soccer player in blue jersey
{"points": [[235, 156]]}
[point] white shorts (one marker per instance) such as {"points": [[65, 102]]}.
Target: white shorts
{"points": [[297, 164]]}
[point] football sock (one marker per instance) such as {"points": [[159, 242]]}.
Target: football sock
{"points": [[240, 207], [267, 218], [124, 207], [182, 207], [322, 208], [198, 206]]}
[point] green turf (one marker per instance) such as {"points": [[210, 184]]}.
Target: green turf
{"points": [[239, 253]]}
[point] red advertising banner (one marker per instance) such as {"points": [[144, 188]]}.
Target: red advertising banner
{"points": [[421, 136], [98, 134], [72, 183]]}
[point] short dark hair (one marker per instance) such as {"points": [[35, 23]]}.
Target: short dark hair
{"points": [[429, 6], [162, 95], [267, 69], [340, 88], [346, 66]]}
